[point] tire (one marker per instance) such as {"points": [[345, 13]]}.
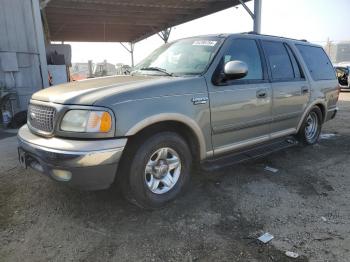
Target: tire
{"points": [[158, 153], [310, 130]]}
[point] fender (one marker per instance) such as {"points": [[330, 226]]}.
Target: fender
{"points": [[172, 117], [308, 109]]}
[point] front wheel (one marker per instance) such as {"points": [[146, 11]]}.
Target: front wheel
{"points": [[311, 128], [159, 170]]}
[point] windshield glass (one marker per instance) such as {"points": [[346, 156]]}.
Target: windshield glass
{"points": [[183, 57]]}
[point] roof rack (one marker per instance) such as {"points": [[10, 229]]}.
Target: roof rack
{"points": [[254, 33]]}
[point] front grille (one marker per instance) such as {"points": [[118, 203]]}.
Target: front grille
{"points": [[42, 118]]}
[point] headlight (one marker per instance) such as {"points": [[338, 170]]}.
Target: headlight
{"points": [[87, 121]]}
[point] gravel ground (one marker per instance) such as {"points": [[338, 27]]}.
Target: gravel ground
{"points": [[305, 205]]}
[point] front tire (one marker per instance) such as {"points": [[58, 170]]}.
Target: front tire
{"points": [[159, 170], [310, 130]]}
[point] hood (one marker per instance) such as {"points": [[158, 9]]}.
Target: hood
{"points": [[87, 92]]}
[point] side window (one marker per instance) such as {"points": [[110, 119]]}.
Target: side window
{"points": [[279, 60], [298, 72], [319, 65], [246, 50]]}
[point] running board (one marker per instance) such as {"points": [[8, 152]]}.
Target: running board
{"points": [[258, 151]]}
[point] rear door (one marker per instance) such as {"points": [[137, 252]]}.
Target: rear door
{"points": [[290, 89], [240, 109]]}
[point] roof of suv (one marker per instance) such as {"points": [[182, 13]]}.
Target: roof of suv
{"points": [[260, 36]]}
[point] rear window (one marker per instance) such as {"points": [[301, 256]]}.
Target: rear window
{"points": [[318, 63]]}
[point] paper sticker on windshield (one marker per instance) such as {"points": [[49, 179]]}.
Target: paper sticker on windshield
{"points": [[205, 43]]}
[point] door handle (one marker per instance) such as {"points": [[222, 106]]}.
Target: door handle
{"points": [[304, 89], [261, 93]]}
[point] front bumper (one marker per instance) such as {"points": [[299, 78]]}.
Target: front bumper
{"points": [[86, 164]]}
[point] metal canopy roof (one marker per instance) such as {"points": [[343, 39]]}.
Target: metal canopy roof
{"points": [[122, 20]]}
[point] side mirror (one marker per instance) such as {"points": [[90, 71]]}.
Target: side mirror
{"points": [[235, 70]]}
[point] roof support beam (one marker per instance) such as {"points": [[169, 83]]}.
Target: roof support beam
{"points": [[256, 16], [123, 21], [130, 50], [165, 34], [247, 9]]}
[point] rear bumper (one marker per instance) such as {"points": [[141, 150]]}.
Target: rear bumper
{"points": [[85, 164]]}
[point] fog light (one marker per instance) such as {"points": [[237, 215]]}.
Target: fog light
{"points": [[61, 175]]}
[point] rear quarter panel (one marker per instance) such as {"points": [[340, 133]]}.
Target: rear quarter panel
{"points": [[324, 92]]}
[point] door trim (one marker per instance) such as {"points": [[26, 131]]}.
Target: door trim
{"points": [[236, 127], [253, 141], [287, 116]]}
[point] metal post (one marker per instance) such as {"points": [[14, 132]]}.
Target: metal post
{"points": [[257, 16], [130, 50], [90, 69], [132, 47], [40, 41]]}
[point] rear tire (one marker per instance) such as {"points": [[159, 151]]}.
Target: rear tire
{"points": [[157, 170], [310, 130]]}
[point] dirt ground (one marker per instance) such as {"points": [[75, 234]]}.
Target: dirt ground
{"points": [[305, 205]]}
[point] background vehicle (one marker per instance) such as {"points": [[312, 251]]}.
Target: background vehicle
{"points": [[196, 100], [343, 75]]}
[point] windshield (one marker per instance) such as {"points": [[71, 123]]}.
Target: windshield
{"points": [[184, 57]]}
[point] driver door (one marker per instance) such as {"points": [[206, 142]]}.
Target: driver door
{"points": [[241, 110]]}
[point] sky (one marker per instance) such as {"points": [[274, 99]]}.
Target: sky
{"points": [[314, 20]]}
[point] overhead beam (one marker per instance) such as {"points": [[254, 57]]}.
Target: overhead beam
{"points": [[124, 20], [106, 9], [121, 20], [143, 4]]}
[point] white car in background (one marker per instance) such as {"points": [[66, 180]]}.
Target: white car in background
{"points": [[343, 74]]}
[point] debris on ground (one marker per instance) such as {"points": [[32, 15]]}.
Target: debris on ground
{"points": [[265, 238], [324, 219], [292, 254], [327, 135], [271, 169]]}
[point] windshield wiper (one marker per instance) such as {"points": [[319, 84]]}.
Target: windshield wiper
{"points": [[157, 69]]}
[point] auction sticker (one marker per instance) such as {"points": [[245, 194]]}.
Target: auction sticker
{"points": [[205, 43]]}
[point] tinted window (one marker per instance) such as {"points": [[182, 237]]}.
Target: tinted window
{"points": [[247, 51], [298, 72], [319, 65], [279, 61]]}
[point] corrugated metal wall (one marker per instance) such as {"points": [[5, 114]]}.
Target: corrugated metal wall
{"points": [[19, 55]]}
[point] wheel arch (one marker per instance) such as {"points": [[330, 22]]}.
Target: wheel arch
{"points": [[320, 104], [183, 125]]}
